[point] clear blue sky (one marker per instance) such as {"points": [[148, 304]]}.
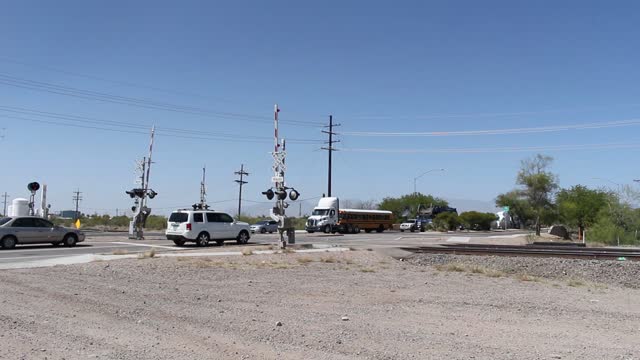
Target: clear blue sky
{"points": [[408, 66]]}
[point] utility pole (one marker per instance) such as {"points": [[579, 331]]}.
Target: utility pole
{"points": [[77, 198], [203, 189], [242, 173], [5, 196], [330, 149]]}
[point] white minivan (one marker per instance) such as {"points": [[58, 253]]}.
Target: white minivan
{"points": [[201, 226]]}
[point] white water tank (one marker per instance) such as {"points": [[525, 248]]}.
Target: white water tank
{"points": [[19, 207]]}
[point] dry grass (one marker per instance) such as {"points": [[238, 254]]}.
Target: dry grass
{"points": [[329, 260], [120, 252], [147, 254], [576, 283], [451, 267], [304, 260], [526, 277], [454, 267], [367, 270]]}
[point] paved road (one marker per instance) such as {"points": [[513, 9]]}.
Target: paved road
{"points": [[110, 243]]}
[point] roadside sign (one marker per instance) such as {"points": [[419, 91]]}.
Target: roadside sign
{"points": [[505, 208], [277, 179]]}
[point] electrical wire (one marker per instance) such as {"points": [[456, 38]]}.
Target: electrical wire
{"points": [[542, 129], [143, 103], [499, 150], [116, 126]]}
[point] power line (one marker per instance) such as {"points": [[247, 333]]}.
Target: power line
{"points": [[137, 129], [503, 149], [556, 128], [143, 103], [118, 82]]}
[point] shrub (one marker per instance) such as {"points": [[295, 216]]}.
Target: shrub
{"points": [[474, 220]]}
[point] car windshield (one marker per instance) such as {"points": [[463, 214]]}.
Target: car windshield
{"points": [[320, 212], [178, 217], [4, 220], [411, 221]]}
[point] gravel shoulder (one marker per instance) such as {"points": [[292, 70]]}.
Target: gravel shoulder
{"points": [[357, 304]]}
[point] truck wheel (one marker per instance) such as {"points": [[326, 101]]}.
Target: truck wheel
{"points": [[348, 229], [356, 229], [327, 229], [380, 229]]}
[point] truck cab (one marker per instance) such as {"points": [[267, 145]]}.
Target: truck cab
{"points": [[324, 217]]}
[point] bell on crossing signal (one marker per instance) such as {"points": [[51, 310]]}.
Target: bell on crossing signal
{"points": [[33, 186], [281, 194], [152, 194], [269, 194], [294, 194]]}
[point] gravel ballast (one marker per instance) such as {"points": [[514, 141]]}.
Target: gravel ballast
{"points": [[604, 272], [315, 306]]}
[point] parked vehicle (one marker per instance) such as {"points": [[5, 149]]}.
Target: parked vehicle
{"points": [[265, 226], [36, 230], [408, 225], [425, 217], [201, 226], [329, 218]]}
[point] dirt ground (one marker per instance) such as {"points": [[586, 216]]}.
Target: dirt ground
{"points": [[357, 304]]}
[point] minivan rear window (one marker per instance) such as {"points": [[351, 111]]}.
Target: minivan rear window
{"points": [[178, 217]]}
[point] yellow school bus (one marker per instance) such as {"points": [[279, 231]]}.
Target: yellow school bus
{"points": [[351, 221]]}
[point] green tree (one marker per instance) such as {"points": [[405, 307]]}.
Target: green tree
{"points": [[474, 220], [519, 208], [579, 206], [446, 221], [538, 185], [407, 205]]}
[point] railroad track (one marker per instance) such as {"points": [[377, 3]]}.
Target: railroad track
{"points": [[530, 250]]}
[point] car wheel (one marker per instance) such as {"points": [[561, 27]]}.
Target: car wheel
{"points": [[243, 238], [9, 242], [310, 232], [203, 239], [179, 242], [263, 230], [70, 240], [412, 230]]}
